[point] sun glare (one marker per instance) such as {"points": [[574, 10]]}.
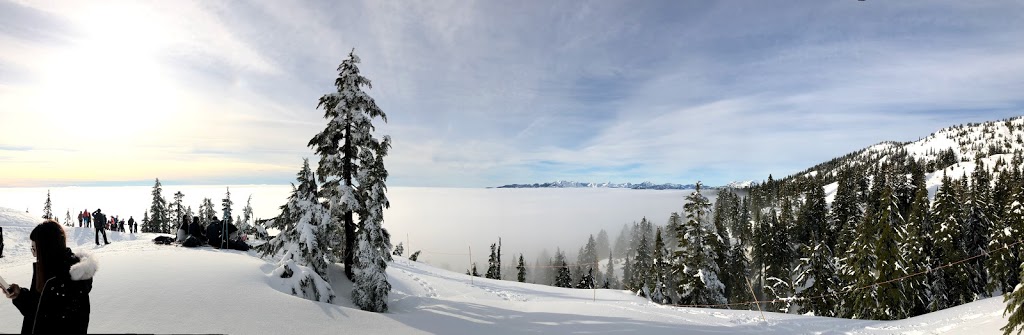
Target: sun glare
{"points": [[111, 77]]}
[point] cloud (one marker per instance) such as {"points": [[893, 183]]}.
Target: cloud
{"points": [[489, 93]]}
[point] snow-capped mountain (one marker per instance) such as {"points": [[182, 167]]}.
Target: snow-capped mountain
{"points": [[993, 142]]}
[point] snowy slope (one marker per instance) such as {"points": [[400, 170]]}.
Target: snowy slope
{"points": [[143, 287], [992, 141]]}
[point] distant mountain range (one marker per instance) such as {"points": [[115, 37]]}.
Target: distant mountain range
{"points": [[639, 186]]}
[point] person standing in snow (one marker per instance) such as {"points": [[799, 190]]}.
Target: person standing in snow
{"points": [[57, 302], [100, 221], [131, 224], [86, 216]]}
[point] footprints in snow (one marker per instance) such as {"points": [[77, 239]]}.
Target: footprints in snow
{"points": [[430, 289]]}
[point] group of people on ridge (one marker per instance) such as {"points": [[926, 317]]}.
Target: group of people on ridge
{"points": [[86, 219]]}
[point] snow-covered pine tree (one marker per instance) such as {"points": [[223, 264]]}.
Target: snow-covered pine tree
{"points": [[1003, 265], [846, 213], [67, 218], [954, 288], [641, 282], [916, 249], [350, 112], [778, 273], [587, 258], [1015, 307], [158, 216], [225, 206], [177, 211], [695, 265], [891, 298], [146, 225], [521, 268], [723, 219], [859, 266], [660, 269], [398, 250], [414, 256], [978, 228], [818, 275], [245, 224], [48, 207], [299, 244], [494, 263], [563, 278], [370, 287], [207, 212], [739, 272]]}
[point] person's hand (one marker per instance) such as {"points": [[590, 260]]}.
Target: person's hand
{"points": [[13, 291]]}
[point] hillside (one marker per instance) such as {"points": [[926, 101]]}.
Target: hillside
{"points": [[997, 140], [142, 287]]}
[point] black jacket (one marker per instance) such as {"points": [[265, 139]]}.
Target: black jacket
{"points": [[195, 229], [61, 306], [99, 220]]}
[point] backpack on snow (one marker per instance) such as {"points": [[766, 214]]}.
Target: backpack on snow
{"points": [[163, 240]]}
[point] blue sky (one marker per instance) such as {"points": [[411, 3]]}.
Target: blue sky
{"points": [[485, 93]]}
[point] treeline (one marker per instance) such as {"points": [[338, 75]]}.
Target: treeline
{"points": [[882, 249]]}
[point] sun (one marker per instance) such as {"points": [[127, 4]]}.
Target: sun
{"points": [[110, 77]]}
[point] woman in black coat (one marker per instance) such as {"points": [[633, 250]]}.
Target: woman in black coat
{"points": [[58, 300]]}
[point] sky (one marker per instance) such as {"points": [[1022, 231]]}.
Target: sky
{"points": [[487, 93]]}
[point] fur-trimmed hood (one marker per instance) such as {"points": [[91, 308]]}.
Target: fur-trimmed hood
{"points": [[85, 268]]}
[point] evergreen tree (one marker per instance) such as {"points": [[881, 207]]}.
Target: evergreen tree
{"points": [[778, 282], [245, 224], [373, 242], [739, 271], [846, 213], [660, 270], [695, 265], [563, 278], [146, 225], [951, 286], [609, 275], [521, 268], [978, 229], [158, 221], [300, 243], [891, 300], [207, 212], [48, 207], [67, 218], [225, 207], [1003, 265], [820, 278], [177, 211], [473, 271], [399, 250], [587, 257], [642, 265], [344, 146], [916, 249], [1014, 303], [494, 261], [414, 256]]}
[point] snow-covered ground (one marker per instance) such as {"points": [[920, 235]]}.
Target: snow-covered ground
{"points": [[143, 287]]}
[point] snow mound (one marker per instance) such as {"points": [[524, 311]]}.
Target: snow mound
{"points": [[15, 218]]}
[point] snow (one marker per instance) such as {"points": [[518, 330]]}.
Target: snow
{"points": [[145, 288]]}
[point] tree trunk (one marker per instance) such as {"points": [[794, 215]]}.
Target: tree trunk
{"points": [[350, 227]]}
